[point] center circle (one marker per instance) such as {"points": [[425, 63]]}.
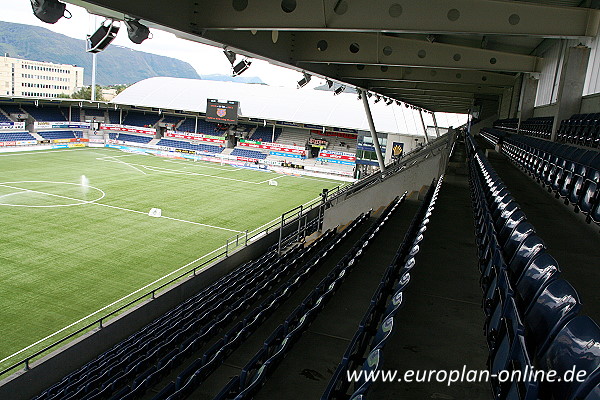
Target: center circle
{"points": [[21, 190]]}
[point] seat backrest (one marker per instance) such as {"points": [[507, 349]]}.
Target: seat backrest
{"points": [[525, 253], [555, 306], [517, 236], [576, 346], [510, 224], [541, 271]]}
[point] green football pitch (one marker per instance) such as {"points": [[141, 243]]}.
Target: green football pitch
{"points": [[77, 240]]}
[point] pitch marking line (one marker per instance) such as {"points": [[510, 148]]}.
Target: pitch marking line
{"points": [[113, 159], [110, 305], [36, 152], [190, 164], [117, 208]]}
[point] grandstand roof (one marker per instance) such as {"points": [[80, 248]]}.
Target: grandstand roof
{"points": [[281, 104]]}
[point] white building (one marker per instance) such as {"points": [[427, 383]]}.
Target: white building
{"points": [[28, 78]]}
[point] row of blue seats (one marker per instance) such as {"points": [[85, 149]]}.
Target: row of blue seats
{"points": [[127, 370], [248, 153], [580, 129], [45, 113], [4, 118], [161, 342], [59, 134], [196, 373], [135, 118], [531, 313], [376, 327], [12, 109], [572, 173], [11, 137], [129, 138], [265, 134], [182, 144], [256, 371]]}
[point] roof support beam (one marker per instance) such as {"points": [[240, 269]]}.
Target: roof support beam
{"points": [[433, 87], [428, 16], [378, 49], [408, 74]]}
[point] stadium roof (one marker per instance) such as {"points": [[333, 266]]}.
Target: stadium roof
{"points": [[317, 107]]}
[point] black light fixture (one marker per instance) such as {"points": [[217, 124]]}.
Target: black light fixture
{"points": [[359, 93], [377, 98], [398, 103], [340, 89], [136, 31], [103, 36], [329, 83], [240, 67], [388, 101], [304, 81], [49, 11], [369, 94]]}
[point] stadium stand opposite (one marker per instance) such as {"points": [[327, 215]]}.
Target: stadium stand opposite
{"points": [[130, 138], [140, 119], [45, 113], [182, 144]]}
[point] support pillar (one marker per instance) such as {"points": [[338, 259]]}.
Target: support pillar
{"points": [[570, 87], [424, 126], [94, 76], [529, 87], [373, 131], [505, 103], [437, 129]]}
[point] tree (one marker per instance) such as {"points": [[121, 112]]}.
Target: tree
{"points": [[86, 93]]}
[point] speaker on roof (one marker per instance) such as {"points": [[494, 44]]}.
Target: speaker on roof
{"points": [[49, 11]]}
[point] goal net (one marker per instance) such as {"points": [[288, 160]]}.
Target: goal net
{"points": [[273, 182]]}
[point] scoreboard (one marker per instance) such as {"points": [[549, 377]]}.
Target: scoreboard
{"points": [[222, 112]]}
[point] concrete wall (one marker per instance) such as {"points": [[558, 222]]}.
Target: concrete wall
{"points": [[590, 104], [382, 193]]}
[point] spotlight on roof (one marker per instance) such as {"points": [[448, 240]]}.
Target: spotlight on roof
{"points": [[398, 103], [49, 11], [230, 56], [406, 105], [388, 101], [136, 31], [377, 98], [339, 90], [304, 81], [240, 67], [104, 35], [359, 93], [329, 83], [369, 94]]}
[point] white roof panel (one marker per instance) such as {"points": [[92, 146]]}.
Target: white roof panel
{"points": [[317, 107]]}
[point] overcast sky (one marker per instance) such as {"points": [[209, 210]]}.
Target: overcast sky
{"points": [[205, 59]]}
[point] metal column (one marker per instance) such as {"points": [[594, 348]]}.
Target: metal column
{"points": [[363, 95], [437, 129], [94, 76], [424, 126]]}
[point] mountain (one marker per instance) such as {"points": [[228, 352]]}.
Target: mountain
{"points": [[116, 64]]}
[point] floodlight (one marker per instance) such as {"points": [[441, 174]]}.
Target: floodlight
{"points": [[240, 67], [304, 81], [49, 11], [398, 103], [388, 101], [377, 98], [105, 34], [136, 31], [339, 90], [329, 83]]}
